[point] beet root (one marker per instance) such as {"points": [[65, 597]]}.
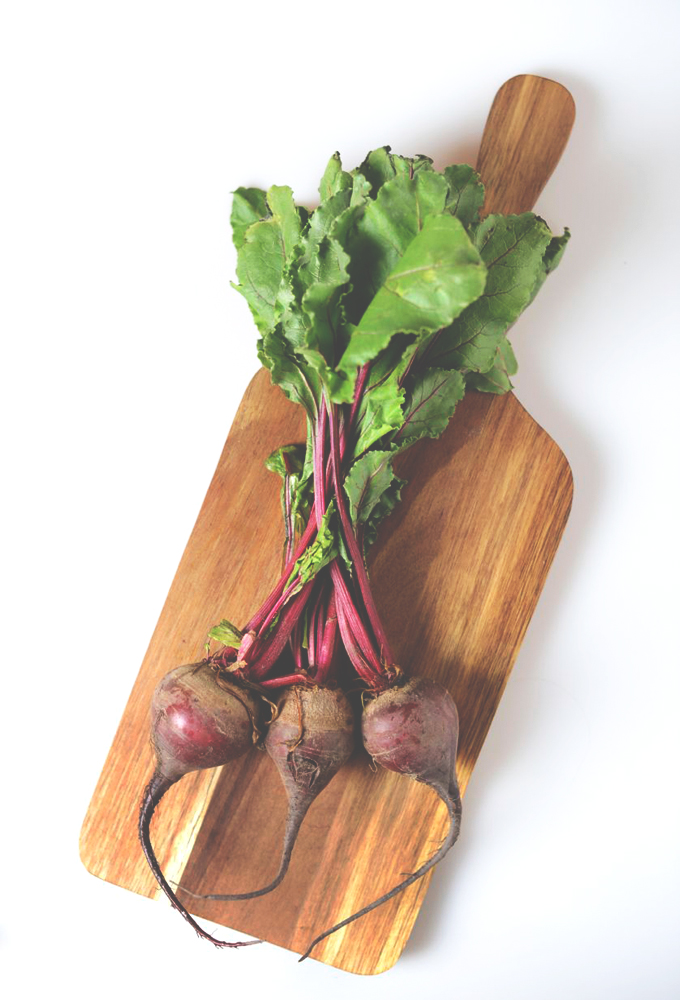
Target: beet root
{"points": [[199, 720], [413, 729], [309, 739]]}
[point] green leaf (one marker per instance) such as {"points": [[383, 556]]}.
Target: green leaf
{"points": [[264, 256], [389, 499], [551, 259], [321, 282], [226, 633], [373, 491], [290, 462], [322, 298], [260, 270], [343, 226], [497, 378], [285, 215], [466, 193], [298, 380], [438, 275], [471, 347], [327, 333], [335, 179], [384, 230], [287, 461], [555, 251], [512, 248], [249, 205], [432, 398], [366, 481], [323, 550], [310, 265], [325, 257], [381, 166], [380, 408], [379, 412]]}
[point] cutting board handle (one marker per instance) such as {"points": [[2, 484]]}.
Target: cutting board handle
{"points": [[528, 126]]}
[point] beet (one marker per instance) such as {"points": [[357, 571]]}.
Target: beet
{"points": [[309, 739], [413, 729], [200, 719]]}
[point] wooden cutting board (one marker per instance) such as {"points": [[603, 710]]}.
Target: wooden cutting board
{"points": [[457, 574]]}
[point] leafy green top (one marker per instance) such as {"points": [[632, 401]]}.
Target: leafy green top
{"points": [[393, 274]]}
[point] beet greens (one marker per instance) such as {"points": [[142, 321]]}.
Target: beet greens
{"points": [[375, 312]]}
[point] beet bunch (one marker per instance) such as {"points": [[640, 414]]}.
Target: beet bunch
{"points": [[376, 312]]}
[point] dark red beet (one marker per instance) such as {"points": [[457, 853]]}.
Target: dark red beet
{"points": [[413, 730], [199, 719], [310, 738]]}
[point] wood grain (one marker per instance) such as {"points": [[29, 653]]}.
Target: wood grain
{"points": [[457, 574], [527, 129]]}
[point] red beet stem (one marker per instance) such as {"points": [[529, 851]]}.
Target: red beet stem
{"points": [[262, 613], [280, 682], [269, 650], [319, 465], [286, 595], [355, 638], [354, 550], [362, 378], [153, 793], [328, 642]]}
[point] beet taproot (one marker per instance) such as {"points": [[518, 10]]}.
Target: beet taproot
{"points": [[309, 739], [200, 719], [413, 730]]}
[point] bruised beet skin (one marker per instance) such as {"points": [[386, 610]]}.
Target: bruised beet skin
{"points": [[199, 719], [413, 729], [309, 739]]}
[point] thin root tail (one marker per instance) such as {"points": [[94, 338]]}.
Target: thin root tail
{"points": [[293, 824], [452, 800], [153, 793]]}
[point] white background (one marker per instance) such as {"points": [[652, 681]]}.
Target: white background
{"points": [[125, 126]]}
